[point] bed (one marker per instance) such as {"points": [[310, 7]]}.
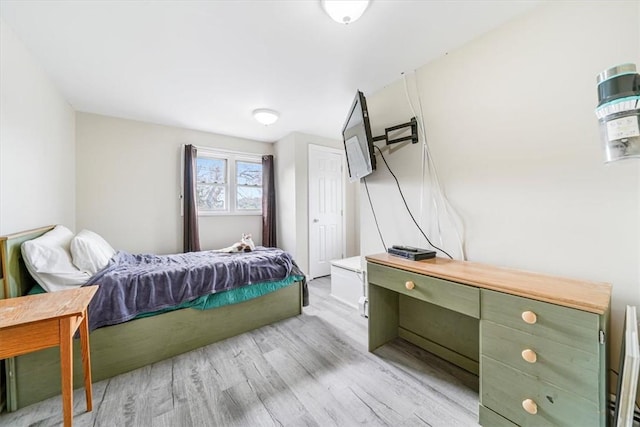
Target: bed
{"points": [[123, 347]]}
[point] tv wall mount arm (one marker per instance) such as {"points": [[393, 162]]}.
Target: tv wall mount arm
{"points": [[413, 123]]}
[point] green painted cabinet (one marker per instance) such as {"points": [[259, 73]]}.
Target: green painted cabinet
{"points": [[540, 363]]}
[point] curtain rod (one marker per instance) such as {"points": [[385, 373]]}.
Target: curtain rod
{"points": [[222, 150]]}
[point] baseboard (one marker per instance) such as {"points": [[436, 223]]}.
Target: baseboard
{"points": [[344, 301]]}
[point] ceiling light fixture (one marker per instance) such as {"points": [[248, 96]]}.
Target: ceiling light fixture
{"points": [[344, 11], [265, 116]]}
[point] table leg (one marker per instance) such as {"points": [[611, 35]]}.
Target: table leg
{"points": [[66, 364], [86, 359], [383, 316]]}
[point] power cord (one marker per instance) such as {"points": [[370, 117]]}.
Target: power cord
{"points": [[405, 204], [384, 245]]}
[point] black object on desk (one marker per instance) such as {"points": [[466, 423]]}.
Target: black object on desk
{"points": [[409, 252]]}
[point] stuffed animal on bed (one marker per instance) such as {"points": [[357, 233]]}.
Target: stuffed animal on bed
{"points": [[244, 245]]}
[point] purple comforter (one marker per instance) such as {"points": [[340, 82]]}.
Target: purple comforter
{"points": [[135, 284]]}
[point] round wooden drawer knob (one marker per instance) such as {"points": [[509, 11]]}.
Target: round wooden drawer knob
{"points": [[409, 285], [529, 355], [529, 317], [530, 406]]}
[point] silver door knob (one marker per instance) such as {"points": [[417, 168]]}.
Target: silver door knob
{"points": [[316, 220]]}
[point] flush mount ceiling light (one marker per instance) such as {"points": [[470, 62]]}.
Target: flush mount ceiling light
{"points": [[265, 116], [344, 11]]}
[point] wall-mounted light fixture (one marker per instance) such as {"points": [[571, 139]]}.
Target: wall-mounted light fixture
{"points": [[618, 112], [344, 11], [265, 116]]}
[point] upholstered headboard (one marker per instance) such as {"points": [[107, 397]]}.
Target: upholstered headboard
{"points": [[16, 281]]}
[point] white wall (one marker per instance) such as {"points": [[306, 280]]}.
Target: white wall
{"points": [[37, 143], [352, 215], [128, 185], [510, 121], [285, 182], [292, 177]]}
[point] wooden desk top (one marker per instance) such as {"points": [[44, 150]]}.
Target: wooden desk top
{"points": [[50, 305], [593, 297]]}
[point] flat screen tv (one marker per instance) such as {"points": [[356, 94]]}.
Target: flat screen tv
{"points": [[358, 142]]}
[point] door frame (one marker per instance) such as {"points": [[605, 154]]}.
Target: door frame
{"points": [[340, 152]]}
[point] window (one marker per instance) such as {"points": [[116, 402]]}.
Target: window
{"points": [[211, 188], [228, 183], [248, 186]]}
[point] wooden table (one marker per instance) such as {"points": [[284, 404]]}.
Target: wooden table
{"points": [[35, 322]]}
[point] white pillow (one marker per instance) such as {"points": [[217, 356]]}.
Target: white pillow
{"points": [[49, 261], [90, 252]]}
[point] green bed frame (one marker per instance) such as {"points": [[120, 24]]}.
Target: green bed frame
{"points": [[127, 346]]}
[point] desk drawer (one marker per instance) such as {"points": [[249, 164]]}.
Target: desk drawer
{"points": [[575, 328], [454, 296], [563, 366], [504, 390]]}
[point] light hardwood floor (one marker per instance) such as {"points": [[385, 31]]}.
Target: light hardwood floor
{"points": [[311, 370]]}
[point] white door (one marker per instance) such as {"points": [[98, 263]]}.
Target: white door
{"points": [[326, 239]]}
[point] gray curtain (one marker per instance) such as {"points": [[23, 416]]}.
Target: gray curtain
{"points": [[268, 203], [191, 234]]}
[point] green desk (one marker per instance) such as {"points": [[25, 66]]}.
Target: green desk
{"points": [[537, 342]]}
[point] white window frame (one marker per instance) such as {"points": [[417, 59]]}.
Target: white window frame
{"points": [[231, 186]]}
